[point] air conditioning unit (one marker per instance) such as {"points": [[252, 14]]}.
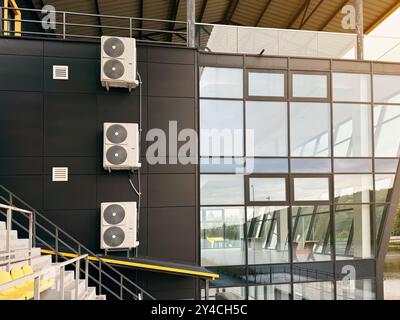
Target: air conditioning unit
{"points": [[118, 225], [118, 62], [121, 146]]}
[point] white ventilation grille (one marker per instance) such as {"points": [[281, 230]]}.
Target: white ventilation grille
{"points": [[60, 73], [60, 174]]}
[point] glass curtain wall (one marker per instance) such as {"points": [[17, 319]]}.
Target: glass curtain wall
{"points": [[296, 176]]}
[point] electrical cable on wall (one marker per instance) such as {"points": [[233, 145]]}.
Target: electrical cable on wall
{"points": [[132, 173]]}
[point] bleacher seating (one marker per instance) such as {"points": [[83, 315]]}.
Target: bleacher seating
{"points": [[22, 265]]}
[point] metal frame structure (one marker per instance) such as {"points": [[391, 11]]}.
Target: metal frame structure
{"points": [[41, 228], [61, 267]]}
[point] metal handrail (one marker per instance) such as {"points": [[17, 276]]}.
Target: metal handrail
{"points": [[61, 266], [10, 209], [145, 32], [81, 248]]}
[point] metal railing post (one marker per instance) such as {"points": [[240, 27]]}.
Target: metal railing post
{"points": [[121, 292], [8, 246], [191, 23], [30, 230], [36, 283], [130, 28], [77, 276], [207, 289], [56, 245], [62, 274], [86, 273]]}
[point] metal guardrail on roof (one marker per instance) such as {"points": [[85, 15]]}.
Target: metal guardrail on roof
{"points": [[80, 26]]}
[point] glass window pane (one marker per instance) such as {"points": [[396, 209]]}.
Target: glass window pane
{"points": [[267, 235], [266, 84], [353, 165], [355, 289], [222, 236], [311, 233], [387, 121], [310, 129], [221, 189], [266, 129], [352, 130], [234, 293], [272, 292], [267, 189], [351, 87], [222, 165], [266, 165], [268, 274], [310, 86], [311, 165], [221, 128], [353, 232], [313, 291], [384, 187], [311, 189], [386, 88], [386, 165], [380, 214], [312, 271], [221, 82], [353, 188]]}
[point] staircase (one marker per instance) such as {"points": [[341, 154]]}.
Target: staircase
{"points": [[24, 233]]}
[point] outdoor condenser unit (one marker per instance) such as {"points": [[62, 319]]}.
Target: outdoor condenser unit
{"points": [[118, 225], [118, 62], [121, 146]]}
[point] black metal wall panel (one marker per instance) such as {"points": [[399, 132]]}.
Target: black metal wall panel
{"points": [[21, 120], [61, 124]]}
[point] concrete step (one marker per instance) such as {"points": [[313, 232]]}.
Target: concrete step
{"points": [[37, 263], [90, 293], [100, 297], [16, 244], [2, 225], [69, 293], [54, 292], [3, 235], [22, 255]]}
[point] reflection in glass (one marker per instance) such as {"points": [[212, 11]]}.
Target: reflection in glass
{"points": [[222, 236], [310, 86], [386, 88], [383, 187], [266, 165], [351, 87], [353, 232], [266, 84], [355, 290], [268, 274], [353, 165], [267, 189], [222, 165], [235, 293], [266, 129], [311, 189], [267, 235], [386, 165], [352, 130], [387, 121], [311, 272], [221, 189], [353, 188], [221, 82], [311, 165], [221, 128], [311, 233], [272, 292], [310, 129], [313, 291], [380, 214]]}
